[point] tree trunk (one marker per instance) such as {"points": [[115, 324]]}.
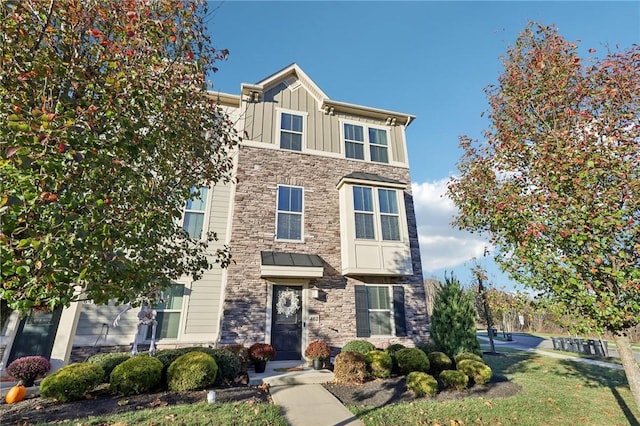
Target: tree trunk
{"points": [[630, 365]]}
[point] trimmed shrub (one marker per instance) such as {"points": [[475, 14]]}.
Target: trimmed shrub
{"points": [[71, 382], [429, 346], [242, 352], [478, 372], [191, 371], [412, 359], [350, 367], [468, 355], [167, 356], [453, 323], [454, 379], [109, 361], [360, 346], [28, 368], [421, 383], [439, 361], [391, 350], [229, 366], [138, 374], [379, 364]]}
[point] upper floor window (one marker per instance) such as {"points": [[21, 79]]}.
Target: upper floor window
{"points": [[355, 139], [368, 214], [194, 210], [291, 127], [289, 215]]}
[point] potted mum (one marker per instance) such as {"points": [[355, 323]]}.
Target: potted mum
{"points": [[260, 353], [28, 368], [318, 351]]}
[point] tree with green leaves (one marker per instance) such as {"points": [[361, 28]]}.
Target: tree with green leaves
{"points": [[453, 325], [556, 182], [106, 126]]}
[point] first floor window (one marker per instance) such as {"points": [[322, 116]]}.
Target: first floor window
{"points": [[380, 310], [193, 221], [289, 216], [169, 311]]}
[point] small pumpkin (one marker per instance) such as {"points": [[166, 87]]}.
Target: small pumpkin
{"points": [[16, 394]]}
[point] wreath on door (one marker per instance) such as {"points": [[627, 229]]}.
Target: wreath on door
{"points": [[288, 303]]}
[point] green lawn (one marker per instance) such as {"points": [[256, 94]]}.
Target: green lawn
{"points": [[555, 392], [225, 413]]}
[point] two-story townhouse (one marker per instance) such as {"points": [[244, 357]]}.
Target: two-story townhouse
{"points": [[321, 226]]}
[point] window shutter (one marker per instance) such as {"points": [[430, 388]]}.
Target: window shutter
{"points": [[398, 310], [362, 312]]}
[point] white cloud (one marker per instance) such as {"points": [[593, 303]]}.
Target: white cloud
{"points": [[442, 246]]}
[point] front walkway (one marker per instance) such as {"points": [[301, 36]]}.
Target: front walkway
{"points": [[297, 389]]}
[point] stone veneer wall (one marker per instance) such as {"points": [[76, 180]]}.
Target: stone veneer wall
{"points": [[259, 172]]}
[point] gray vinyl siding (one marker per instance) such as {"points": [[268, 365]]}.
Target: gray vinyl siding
{"points": [[202, 313], [96, 324], [322, 130]]}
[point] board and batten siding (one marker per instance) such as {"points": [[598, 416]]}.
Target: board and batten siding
{"points": [[202, 313], [322, 130]]}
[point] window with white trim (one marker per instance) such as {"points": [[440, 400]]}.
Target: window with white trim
{"points": [[291, 128], [381, 217], [194, 212], [380, 310], [169, 312], [357, 136], [289, 213]]}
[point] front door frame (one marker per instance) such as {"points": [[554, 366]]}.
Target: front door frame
{"points": [[304, 285]]}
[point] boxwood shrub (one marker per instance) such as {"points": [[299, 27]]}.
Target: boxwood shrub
{"points": [[391, 350], [109, 361], [422, 383], [71, 382], [360, 346], [454, 379], [478, 372], [138, 374], [379, 364], [468, 355], [191, 371], [412, 359], [439, 361]]}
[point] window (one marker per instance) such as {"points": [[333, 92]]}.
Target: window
{"points": [[354, 143], [378, 145], [389, 217], [291, 131], [380, 310], [289, 215], [363, 207], [169, 313], [366, 211], [194, 213]]}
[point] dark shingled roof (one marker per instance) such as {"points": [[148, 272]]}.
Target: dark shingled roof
{"points": [[275, 258], [372, 177]]}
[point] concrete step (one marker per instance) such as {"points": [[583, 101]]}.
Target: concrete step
{"points": [[279, 373]]}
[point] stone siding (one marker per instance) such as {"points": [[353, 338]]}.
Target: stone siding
{"points": [[260, 171]]}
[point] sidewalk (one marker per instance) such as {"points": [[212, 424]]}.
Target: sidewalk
{"points": [[484, 341], [298, 390]]}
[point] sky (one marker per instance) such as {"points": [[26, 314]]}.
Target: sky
{"points": [[431, 59]]}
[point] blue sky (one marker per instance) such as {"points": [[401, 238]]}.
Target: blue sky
{"points": [[429, 59]]}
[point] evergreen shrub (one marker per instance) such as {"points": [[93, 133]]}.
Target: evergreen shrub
{"points": [[71, 382], [138, 374], [191, 371], [422, 383], [412, 359]]}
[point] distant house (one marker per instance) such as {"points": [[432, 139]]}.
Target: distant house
{"points": [[322, 230]]}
